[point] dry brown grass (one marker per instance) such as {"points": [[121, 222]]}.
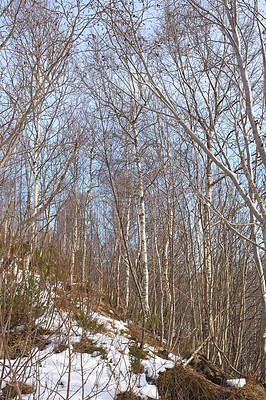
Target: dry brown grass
{"points": [[253, 391], [9, 391], [64, 303], [135, 332], [21, 343], [61, 347], [88, 346], [104, 307], [18, 345], [180, 383], [128, 395]]}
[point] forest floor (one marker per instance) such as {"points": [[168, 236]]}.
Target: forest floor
{"points": [[75, 362], [75, 352]]}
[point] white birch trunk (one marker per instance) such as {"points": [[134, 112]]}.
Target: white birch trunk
{"points": [[172, 288], [118, 277], [165, 264], [47, 232], [142, 221], [160, 286], [75, 235], [35, 169], [129, 197], [127, 270], [84, 244]]}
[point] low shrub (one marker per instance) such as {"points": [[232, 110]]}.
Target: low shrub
{"points": [[22, 302], [88, 322], [136, 355]]}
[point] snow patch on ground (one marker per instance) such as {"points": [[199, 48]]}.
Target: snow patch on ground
{"points": [[238, 383], [69, 374]]}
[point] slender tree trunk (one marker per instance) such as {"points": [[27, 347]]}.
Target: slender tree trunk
{"points": [[165, 265], [242, 319], [172, 288], [142, 221], [34, 226], [127, 270], [47, 231], [189, 270], [118, 276], [75, 233], [65, 233], [35, 167], [207, 243], [129, 199], [227, 307], [84, 239], [160, 286]]}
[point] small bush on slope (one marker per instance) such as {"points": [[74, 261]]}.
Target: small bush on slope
{"points": [[136, 354], [22, 302]]}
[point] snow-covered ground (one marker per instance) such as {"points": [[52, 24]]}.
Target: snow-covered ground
{"points": [[73, 375]]}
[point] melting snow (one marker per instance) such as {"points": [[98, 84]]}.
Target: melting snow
{"points": [[238, 383], [89, 376]]}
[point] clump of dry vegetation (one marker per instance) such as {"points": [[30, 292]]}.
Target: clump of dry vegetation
{"points": [[88, 346], [181, 383], [21, 343], [17, 345], [9, 391], [61, 347], [128, 395]]}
